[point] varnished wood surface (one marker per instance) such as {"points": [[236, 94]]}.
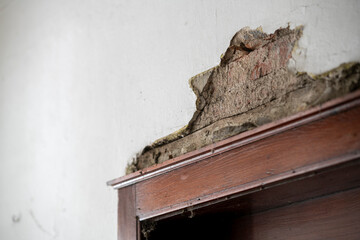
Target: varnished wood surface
{"points": [[302, 149], [267, 172], [331, 217], [127, 221], [313, 185], [334, 216], [256, 134]]}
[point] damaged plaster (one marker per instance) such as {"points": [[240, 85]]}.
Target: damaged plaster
{"points": [[253, 85]]}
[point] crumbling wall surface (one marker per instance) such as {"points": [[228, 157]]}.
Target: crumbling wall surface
{"points": [[252, 72], [251, 86]]}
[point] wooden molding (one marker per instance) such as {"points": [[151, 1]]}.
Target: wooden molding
{"points": [[322, 111], [304, 151]]}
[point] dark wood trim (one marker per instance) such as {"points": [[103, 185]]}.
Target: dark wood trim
{"points": [[336, 216], [128, 223], [319, 112], [301, 150], [316, 152], [294, 190]]}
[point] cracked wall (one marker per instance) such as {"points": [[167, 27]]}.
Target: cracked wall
{"points": [[251, 86], [85, 85]]}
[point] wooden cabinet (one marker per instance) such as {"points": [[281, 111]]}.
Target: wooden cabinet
{"points": [[297, 178]]}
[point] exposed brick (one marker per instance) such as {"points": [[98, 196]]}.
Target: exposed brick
{"points": [[250, 87]]}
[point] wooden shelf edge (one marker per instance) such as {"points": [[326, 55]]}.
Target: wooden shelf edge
{"points": [[321, 111], [251, 187]]}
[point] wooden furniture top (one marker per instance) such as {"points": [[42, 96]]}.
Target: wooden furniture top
{"points": [[267, 130], [309, 159]]}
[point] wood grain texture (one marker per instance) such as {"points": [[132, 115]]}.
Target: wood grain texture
{"points": [[332, 217], [313, 185], [264, 172], [127, 221], [335, 216], [301, 149], [322, 111]]}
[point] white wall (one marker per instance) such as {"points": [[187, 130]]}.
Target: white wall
{"points": [[85, 84]]}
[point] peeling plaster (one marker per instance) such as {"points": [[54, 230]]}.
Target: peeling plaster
{"points": [[255, 83]]}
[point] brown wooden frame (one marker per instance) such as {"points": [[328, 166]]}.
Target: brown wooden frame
{"points": [[297, 147]]}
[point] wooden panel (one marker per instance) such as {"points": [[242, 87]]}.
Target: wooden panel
{"points": [[303, 148], [127, 222], [335, 216], [327, 181], [332, 217]]}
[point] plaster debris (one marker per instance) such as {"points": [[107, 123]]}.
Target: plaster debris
{"points": [[147, 227], [253, 85]]}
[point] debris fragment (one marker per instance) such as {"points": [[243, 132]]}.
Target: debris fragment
{"points": [[250, 87]]}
